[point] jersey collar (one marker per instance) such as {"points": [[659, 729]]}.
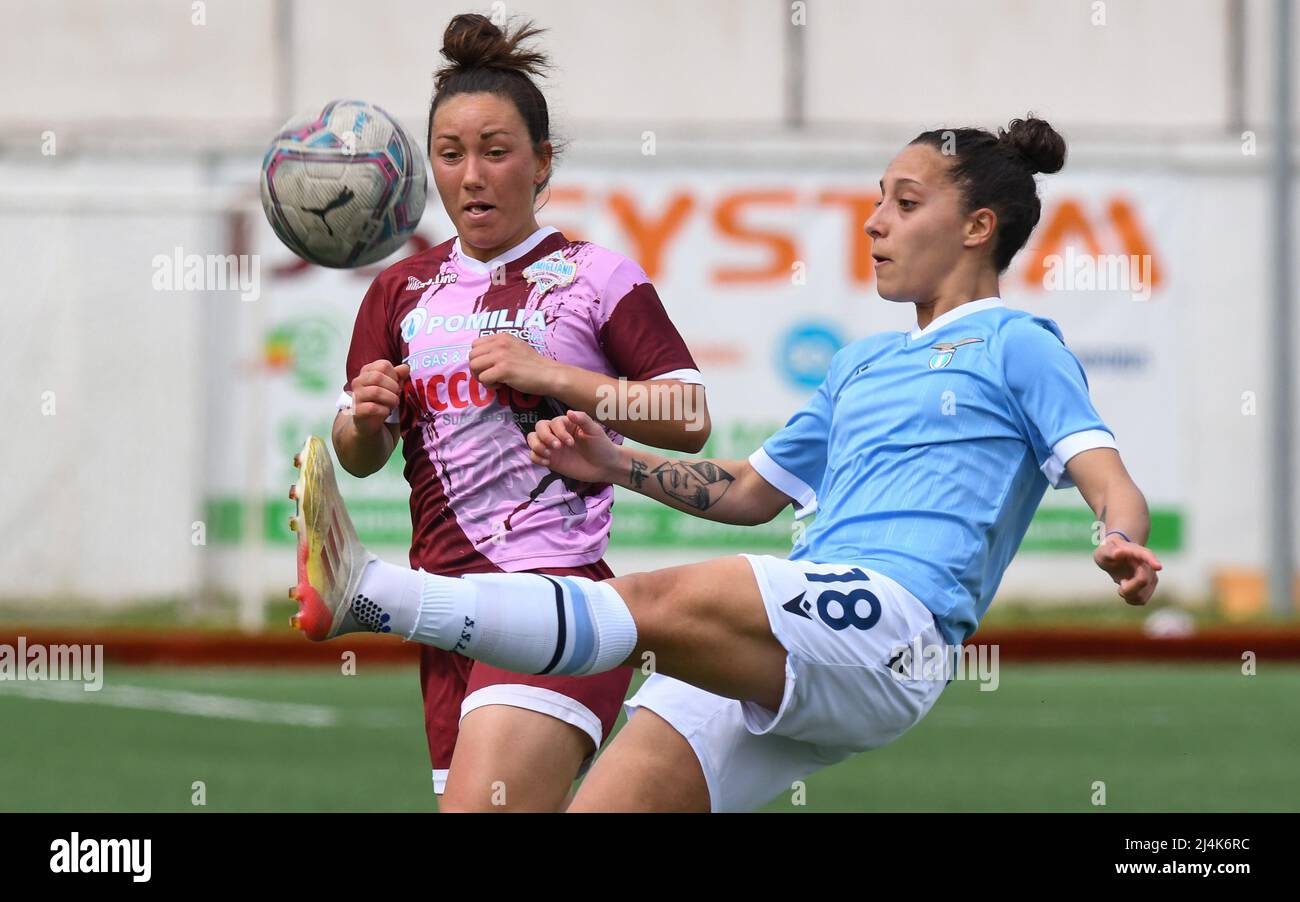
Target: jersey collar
{"points": [[509, 256], [956, 313]]}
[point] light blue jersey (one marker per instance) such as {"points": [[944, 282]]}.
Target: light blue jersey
{"points": [[925, 454]]}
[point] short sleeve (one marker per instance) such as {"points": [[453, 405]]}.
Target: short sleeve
{"points": [[371, 340], [794, 459], [636, 334], [1050, 391]]}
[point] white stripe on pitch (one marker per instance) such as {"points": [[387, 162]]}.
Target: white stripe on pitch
{"points": [[175, 701]]}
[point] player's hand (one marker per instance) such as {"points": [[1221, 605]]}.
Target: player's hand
{"points": [[504, 359], [376, 393], [576, 446], [1132, 566]]}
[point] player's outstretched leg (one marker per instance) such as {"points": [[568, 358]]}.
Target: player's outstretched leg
{"points": [[331, 559], [702, 623]]}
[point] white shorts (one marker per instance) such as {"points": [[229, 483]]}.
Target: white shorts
{"points": [[850, 683]]}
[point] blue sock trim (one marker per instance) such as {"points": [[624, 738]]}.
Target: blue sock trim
{"points": [[584, 628]]}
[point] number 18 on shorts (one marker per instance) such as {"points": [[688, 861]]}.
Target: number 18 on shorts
{"points": [[851, 635]]}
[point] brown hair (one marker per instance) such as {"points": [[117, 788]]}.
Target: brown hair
{"points": [[997, 171], [484, 59]]}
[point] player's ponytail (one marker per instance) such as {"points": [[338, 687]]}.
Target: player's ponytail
{"points": [[1035, 142], [473, 41], [481, 58], [997, 172]]}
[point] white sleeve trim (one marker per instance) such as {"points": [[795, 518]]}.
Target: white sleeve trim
{"points": [[685, 375], [1075, 443], [345, 403], [784, 481], [440, 780]]}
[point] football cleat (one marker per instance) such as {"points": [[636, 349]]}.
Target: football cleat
{"points": [[331, 558]]}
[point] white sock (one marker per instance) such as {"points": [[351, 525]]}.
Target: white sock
{"points": [[387, 599], [527, 622]]}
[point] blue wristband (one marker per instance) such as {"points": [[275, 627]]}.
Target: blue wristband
{"points": [[1116, 532]]}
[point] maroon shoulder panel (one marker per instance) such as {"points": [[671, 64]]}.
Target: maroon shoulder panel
{"points": [[640, 340]]}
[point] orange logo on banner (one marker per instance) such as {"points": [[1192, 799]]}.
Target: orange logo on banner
{"points": [[727, 220], [859, 207], [1066, 225], [653, 234], [650, 237]]}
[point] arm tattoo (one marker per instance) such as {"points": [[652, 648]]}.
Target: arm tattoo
{"points": [[637, 476], [699, 484]]}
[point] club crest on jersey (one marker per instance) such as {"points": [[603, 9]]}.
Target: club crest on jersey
{"points": [[946, 351], [551, 271]]}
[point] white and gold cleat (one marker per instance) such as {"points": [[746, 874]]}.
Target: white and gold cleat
{"points": [[330, 556]]}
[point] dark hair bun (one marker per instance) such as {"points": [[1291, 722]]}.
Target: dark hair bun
{"points": [[473, 41], [1036, 142]]}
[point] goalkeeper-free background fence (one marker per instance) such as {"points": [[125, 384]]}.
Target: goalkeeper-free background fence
{"points": [[729, 149]]}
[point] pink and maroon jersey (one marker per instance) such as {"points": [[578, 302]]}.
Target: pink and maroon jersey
{"points": [[478, 503]]}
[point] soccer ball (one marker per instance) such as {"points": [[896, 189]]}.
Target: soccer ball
{"points": [[343, 187]]}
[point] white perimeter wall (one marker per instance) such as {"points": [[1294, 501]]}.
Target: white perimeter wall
{"points": [[94, 67], [98, 500]]}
